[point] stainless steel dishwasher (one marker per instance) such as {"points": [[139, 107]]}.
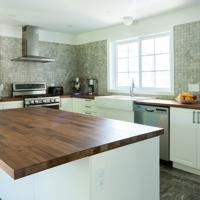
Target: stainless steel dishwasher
{"points": [[158, 117]]}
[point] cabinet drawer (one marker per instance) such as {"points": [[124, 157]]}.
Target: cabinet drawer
{"points": [[88, 102]]}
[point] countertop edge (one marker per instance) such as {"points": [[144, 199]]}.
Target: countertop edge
{"points": [[168, 103], [20, 173], [10, 99]]}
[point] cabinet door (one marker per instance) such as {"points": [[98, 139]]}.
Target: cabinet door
{"points": [[12, 104], [66, 104], [84, 106], [198, 139], [183, 136], [78, 105], [116, 114]]}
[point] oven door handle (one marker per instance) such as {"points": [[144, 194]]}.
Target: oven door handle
{"points": [[43, 105]]}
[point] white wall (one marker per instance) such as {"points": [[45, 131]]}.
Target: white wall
{"points": [[47, 36], [160, 23], [151, 25]]}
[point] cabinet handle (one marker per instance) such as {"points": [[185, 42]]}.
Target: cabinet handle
{"points": [[88, 100], [198, 118], [88, 106], [88, 113], [149, 110], [194, 116]]}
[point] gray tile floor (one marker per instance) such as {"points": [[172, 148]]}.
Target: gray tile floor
{"points": [[179, 185]]}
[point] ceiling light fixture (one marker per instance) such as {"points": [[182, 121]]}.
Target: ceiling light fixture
{"points": [[128, 20]]}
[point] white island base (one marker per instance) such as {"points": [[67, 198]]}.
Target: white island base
{"points": [[127, 173]]}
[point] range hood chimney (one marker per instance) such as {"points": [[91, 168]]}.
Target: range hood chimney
{"points": [[30, 46]]}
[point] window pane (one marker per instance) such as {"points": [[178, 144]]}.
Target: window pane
{"points": [[162, 45], [134, 64], [122, 65], [122, 50], [135, 77], [123, 80], [147, 46], [147, 63], [148, 79], [134, 49], [163, 79], [162, 62]]}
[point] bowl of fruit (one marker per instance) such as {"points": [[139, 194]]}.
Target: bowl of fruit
{"points": [[186, 98]]}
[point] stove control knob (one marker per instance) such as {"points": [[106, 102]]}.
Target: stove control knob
{"points": [[36, 101], [31, 101], [44, 101], [56, 100], [52, 100]]}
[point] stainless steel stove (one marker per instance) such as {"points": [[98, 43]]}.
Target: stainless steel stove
{"points": [[42, 101], [35, 95]]}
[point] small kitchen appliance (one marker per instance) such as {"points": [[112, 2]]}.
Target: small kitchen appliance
{"points": [[92, 86], [55, 90], [76, 86]]}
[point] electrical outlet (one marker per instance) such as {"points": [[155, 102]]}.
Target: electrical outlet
{"points": [[193, 87], [100, 179]]}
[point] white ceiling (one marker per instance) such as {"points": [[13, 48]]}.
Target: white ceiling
{"points": [[76, 16]]}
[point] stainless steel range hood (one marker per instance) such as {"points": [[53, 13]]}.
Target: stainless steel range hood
{"points": [[30, 46]]}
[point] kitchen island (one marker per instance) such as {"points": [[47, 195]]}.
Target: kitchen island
{"points": [[51, 154]]}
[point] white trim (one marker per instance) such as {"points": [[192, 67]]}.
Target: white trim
{"points": [[186, 168], [111, 86]]}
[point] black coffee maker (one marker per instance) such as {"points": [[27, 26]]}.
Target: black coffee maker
{"points": [[92, 86]]}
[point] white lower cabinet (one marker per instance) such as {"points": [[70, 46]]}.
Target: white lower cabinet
{"points": [[115, 109], [78, 105], [84, 106], [66, 104], [11, 105], [185, 137], [120, 110], [198, 142]]}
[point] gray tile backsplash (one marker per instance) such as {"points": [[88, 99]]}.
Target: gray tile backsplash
{"points": [[186, 55], [59, 72], [90, 61]]}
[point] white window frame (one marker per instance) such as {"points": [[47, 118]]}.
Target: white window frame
{"points": [[111, 67]]}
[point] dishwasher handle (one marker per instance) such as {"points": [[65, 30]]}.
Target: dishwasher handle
{"points": [[161, 109], [149, 110]]}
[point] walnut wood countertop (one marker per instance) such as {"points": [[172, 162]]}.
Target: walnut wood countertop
{"points": [[85, 96], [36, 139], [168, 103]]}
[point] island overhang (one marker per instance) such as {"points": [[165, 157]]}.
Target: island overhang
{"points": [[36, 139]]}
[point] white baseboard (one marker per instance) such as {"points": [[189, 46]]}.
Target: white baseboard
{"points": [[186, 168]]}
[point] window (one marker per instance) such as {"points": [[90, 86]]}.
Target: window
{"points": [[145, 60]]}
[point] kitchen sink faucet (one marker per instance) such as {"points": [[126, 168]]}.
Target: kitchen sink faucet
{"points": [[132, 87]]}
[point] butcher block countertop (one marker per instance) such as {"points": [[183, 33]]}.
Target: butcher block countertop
{"points": [[36, 139], [20, 98], [168, 103]]}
